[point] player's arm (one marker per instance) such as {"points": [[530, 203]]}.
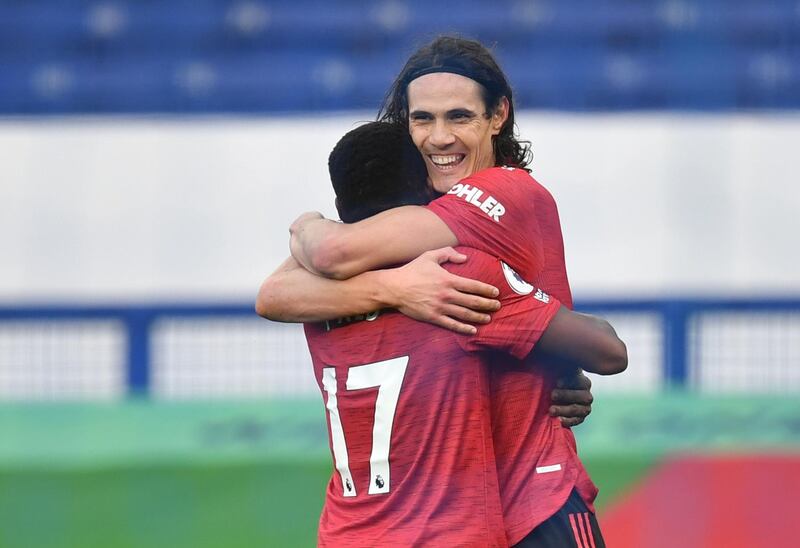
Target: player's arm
{"points": [[539, 326], [565, 340], [421, 289], [531, 322], [579, 341], [576, 341], [292, 294], [340, 251]]}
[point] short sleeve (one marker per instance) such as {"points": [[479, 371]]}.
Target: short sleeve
{"points": [[525, 311], [494, 211]]}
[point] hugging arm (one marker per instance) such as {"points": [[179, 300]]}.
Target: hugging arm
{"points": [[340, 251], [534, 325], [292, 294], [579, 341], [421, 290], [576, 342]]}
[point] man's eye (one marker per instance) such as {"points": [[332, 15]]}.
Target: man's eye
{"points": [[420, 117]]}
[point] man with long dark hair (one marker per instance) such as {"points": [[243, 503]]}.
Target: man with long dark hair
{"points": [[471, 59]]}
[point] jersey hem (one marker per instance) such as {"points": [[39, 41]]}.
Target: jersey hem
{"points": [[518, 532]]}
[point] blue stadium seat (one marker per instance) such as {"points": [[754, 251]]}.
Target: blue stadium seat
{"points": [[282, 55]]}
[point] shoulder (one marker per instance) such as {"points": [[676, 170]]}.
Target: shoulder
{"points": [[492, 270], [503, 174], [356, 338], [507, 179], [480, 265]]}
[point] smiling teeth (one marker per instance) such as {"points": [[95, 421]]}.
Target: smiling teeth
{"points": [[445, 160]]}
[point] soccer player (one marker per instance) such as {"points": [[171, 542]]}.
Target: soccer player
{"points": [[458, 107], [427, 482]]}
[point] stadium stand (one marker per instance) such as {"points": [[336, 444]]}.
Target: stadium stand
{"points": [[249, 56]]}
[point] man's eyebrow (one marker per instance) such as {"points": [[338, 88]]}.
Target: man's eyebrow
{"points": [[464, 111], [452, 112]]}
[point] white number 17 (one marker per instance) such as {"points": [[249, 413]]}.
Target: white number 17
{"points": [[388, 376]]}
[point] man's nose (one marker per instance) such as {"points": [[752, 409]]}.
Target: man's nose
{"points": [[441, 136]]}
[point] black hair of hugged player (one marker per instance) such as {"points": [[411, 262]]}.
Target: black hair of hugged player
{"points": [[473, 60], [377, 167]]}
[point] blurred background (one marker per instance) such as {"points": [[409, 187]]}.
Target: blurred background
{"points": [[153, 154]]}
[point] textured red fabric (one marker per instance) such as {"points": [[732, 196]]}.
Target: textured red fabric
{"points": [[528, 237], [443, 488]]}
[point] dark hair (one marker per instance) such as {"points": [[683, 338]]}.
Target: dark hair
{"points": [[467, 58], [377, 167]]}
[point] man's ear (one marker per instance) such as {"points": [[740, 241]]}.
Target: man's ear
{"points": [[500, 115]]}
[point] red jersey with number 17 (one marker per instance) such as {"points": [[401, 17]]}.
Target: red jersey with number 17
{"points": [[409, 421], [507, 213]]}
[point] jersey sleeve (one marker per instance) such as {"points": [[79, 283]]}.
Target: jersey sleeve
{"points": [[525, 311], [494, 211]]}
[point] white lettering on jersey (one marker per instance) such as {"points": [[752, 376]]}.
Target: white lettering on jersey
{"points": [[387, 376], [472, 195], [341, 322]]}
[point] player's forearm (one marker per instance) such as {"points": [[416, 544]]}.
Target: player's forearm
{"points": [[296, 295], [340, 251], [610, 356], [580, 341]]}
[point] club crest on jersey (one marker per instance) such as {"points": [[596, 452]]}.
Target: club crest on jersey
{"points": [[522, 287], [472, 195], [515, 281]]}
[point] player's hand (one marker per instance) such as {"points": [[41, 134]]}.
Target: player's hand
{"points": [[425, 291], [572, 399]]}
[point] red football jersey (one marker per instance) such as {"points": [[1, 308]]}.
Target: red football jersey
{"points": [[409, 420], [537, 459]]}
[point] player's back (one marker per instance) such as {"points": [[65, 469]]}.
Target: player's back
{"points": [[410, 432]]}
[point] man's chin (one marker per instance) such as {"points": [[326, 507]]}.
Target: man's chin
{"points": [[442, 183]]}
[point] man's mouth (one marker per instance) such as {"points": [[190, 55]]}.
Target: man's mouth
{"points": [[446, 162]]}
